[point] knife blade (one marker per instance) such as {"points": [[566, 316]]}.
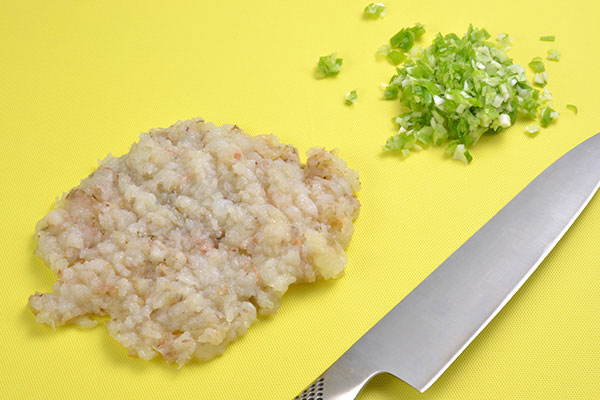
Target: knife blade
{"points": [[422, 335]]}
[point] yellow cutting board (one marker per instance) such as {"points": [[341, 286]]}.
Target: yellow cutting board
{"points": [[81, 79]]}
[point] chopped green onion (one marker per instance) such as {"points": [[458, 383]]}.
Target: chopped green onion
{"points": [[540, 79], [375, 10], [328, 66], [418, 30], [405, 38], [351, 97], [390, 92], [504, 120], [504, 41], [553, 55], [396, 57], [468, 156], [459, 88], [537, 64], [549, 38], [533, 130], [572, 108], [383, 50], [461, 153], [547, 115], [401, 142], [546, 96]]}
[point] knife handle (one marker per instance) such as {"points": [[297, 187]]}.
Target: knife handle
{"points": [[342, 381]]}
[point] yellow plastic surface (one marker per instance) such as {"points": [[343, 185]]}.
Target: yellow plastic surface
{"points": [[81, 79]]}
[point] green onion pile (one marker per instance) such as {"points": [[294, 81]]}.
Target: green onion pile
{"points": [[459, 88]]}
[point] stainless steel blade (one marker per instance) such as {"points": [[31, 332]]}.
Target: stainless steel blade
{"points": [[424, 333]]}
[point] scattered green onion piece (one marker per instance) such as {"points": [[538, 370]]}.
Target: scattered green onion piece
{"points": [[351, 97], [572, 108], [540, 79], [553, 55], [504, 41], [549, 38], [418, 30], [537, 64], [533, 130], [328, 66], [405, 38], [461, 153], [547, 115], [504, 120], [375, 10], [396, 57], [546, 96], [383, 50], [468, 156], [400, 142], [390, 92]]}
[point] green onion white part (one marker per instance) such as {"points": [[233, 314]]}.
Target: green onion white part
{"points": [[553, 55], [532, 129], [405, 38], [460, 153], [546, 96]]}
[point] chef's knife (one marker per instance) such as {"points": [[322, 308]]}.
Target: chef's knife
{"points": [[423, 334]]}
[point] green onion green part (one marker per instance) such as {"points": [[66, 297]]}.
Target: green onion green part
{"points": [[546, 96], [383, 50], [458, 89], [537, 64], [572, 108], [533, 130], [540, 79], [396, 57], [375, 10], [405, 38], [328, 66], [351, 97], [547, 114], [553, 55], [390, 92], [549, 38]]}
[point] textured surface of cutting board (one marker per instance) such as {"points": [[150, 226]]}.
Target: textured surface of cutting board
{"points": [[81, 79]]}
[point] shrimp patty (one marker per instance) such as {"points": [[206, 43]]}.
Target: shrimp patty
{"points": [[186, 238]]}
